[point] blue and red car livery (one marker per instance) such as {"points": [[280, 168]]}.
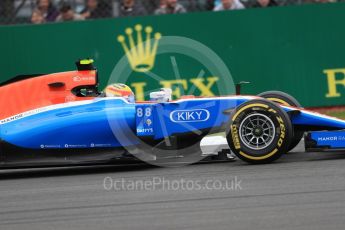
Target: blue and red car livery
{"points": [[62, 118]]}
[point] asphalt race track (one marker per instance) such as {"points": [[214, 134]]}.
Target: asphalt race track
{"points": [[300, 191]]}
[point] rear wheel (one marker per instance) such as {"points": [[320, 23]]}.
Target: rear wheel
{"points": [[285, 99], [259, 131]]}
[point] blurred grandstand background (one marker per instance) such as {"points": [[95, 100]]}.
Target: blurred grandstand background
{"points": [[281, 48], [23, 11]]}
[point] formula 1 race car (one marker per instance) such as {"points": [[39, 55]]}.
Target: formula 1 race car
{"points": [[62, 118]]}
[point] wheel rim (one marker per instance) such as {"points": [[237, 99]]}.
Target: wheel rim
{"points": [[257, 131]]}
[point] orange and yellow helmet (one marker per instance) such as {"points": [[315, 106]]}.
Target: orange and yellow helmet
{"points": [[119, 90]]}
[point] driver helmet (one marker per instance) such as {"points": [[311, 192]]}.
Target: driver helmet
{"points": [[120, 90]]}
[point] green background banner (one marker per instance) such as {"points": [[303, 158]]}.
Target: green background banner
{"points": [[299, 50]]}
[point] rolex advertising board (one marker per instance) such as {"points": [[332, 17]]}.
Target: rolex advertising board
{"points": [[292, 49]]}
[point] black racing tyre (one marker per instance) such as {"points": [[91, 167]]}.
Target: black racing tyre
{"points": [[259, 131], [280, 98], [285, 99]]}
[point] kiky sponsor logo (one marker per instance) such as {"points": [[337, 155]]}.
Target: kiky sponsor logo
{"points": [[194, 115]]}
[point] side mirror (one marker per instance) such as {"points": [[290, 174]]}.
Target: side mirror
{"points": [[239, 85], [85, 64]]}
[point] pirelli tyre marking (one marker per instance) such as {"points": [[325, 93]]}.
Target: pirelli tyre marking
{"points": [[258, 131], [235, 137], [246, 107], [282, 131], [280, 101]]}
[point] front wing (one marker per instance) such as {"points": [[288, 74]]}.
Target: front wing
{"points": [[325, 140]]}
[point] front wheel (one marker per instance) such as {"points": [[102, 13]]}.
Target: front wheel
{"points": [[259, 131], [285, 99]]}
